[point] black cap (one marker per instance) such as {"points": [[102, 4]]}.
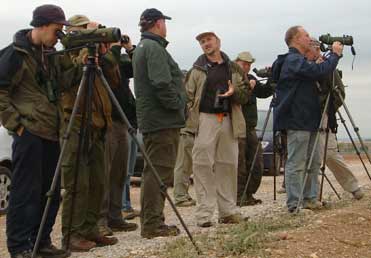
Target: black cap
{"points": [[46, 14], [151, 15]]}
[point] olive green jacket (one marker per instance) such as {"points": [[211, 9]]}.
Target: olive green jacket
{"points": [[28, 98], [160, 94], [195, 85], [326, 84]]}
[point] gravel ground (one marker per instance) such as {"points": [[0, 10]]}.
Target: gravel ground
{"points": [[133, 246]]}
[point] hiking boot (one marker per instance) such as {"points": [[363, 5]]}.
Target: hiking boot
{"points": [[24, 254], [282, 190], [206, 224], [161, 231], [188, 203], [101, 240], [50, 251], [123, 226], [130, 214], [80, 244], [233, 219], [358, 194], [105, 230], [250, 201], [312, 205]]}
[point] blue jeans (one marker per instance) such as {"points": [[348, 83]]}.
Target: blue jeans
{"points": [[133, 148], [299, 147]]}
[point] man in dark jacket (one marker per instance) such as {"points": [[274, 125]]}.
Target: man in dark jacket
{"points": [[160, 111], [297, 111], [247, 147], [31, 110]]}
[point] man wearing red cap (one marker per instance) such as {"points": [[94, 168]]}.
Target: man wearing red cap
{"points": [[30, 109]]}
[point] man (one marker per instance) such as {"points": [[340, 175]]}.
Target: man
{"points": [[160, 112], [88, 176], [297, 111], [30, 109], [247, 147], [334, 161], [116, 154], [215, 91], [183, 167]]}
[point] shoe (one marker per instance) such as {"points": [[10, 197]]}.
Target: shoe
{"points": [[250, 201], [130, 214], [187, 203], [80, 244], [24, 254], [105, 230], [206, 224], [161, 231], [233, 219], [282, 190], [312, 205], [358, 194], [291, 209], [50, 251], [101, 240], [123, 226]]}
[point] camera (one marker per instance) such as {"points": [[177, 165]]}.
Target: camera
{"points": [[221, 103], [264, 72], [89, 36], [328, 39]]}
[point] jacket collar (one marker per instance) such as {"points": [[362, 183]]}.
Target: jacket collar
{"points": [[149, 35], [202, 62], [21, 40]]}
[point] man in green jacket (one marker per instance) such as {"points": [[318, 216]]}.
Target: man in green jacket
{"points": [[30, 109], [247, 146], [160, 112]]}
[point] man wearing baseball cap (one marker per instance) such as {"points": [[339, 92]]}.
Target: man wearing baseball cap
{"points": [[30, 109], [160, 113], [247, 146], [215, 90]]}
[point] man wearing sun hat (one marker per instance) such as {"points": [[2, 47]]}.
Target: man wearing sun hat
{"points": [[30, 108], [247, 146]]}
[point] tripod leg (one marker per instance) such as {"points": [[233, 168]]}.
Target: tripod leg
{"points": [[332, 186], [255, 155], [300, 201], [323, 168], [355, 128], [59, 164], [274, 167], [354, 144], [146, 158]]}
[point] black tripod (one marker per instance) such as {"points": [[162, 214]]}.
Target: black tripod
{"points": [[90, 71]]}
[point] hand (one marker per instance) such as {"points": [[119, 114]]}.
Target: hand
{"points": [[127, 45], [252, 84], [337, 48], [229, 92], [20, 130]]}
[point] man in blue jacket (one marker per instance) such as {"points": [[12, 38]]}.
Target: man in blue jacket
{"points": [[297, 111]]}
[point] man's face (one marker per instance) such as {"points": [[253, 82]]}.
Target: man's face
{"points": [[210, 44], [246, 66], [313, 53], [48, 34], [161, 25], [303, 39]]}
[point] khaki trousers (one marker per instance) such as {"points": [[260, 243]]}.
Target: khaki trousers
{"points": [[183, 168], [215, 162]]}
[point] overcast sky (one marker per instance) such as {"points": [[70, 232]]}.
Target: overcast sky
{"points": [[256, 26]]}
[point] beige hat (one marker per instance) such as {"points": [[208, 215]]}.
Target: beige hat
{"points": [[78, 20], [203, 34], [245, 56]]}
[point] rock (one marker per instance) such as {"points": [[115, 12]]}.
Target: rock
{"points": [[282, 235], [279, 252], [361, 219], [314, 255]]}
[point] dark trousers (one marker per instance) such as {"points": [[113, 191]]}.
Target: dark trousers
{"points": [[162, 147], [247, 148], [34, 162]]}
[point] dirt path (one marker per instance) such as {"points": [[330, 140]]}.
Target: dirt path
{"points": [[342, 232]]}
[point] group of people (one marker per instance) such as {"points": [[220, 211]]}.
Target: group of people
{"points": [[201, 122]]}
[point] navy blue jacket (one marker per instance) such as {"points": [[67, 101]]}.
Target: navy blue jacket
{"points": [[297, 105]]}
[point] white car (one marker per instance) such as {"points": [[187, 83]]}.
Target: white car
{"points": [[5, 168]]}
